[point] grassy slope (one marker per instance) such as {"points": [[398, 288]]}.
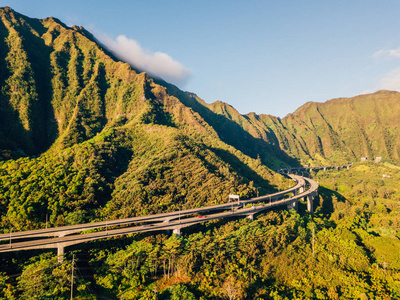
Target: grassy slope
{"points": [[125, 171]]}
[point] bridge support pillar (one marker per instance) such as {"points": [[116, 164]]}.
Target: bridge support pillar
{"points": [[292, 205], [60, 253], [310, 204], [250, 217], [177, 231], [168, 230]]}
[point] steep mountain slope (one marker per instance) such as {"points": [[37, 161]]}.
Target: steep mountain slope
{"points": [[237, 130], [108, 141], [60, 86], [337, 131], [348, 128]]}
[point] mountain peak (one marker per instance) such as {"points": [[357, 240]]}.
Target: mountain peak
{"points": [[6, 9]]}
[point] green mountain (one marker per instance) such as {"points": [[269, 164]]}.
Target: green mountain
{"points": [[84, 136], [60, 88], [346, 129], [337, 131]]}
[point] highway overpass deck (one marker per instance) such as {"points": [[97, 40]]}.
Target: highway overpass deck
{"points": [[234, 209]]}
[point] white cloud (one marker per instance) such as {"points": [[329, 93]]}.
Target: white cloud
{"points": [[365, 92], [391, 80], [157, 64], [387, 53], [379, 53]]}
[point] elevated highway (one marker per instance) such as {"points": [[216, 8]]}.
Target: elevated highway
{"points": [[296, 170], [163, 217], [61, 237]]}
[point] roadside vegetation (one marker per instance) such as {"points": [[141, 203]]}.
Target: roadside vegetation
{"points": [[347, 250]]}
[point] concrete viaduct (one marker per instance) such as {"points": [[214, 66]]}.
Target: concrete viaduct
{"points": [[61, 237], [296, 170]]}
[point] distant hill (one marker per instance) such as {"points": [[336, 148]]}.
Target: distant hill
{"points": [[346, 129], [337, 131]]}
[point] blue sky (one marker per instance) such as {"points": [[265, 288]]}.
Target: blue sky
{"points": [[266, 57]]}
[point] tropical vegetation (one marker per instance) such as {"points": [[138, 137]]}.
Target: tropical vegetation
{"points": [[85, 137]]}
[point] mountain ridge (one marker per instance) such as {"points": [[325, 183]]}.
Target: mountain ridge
{"points": [[317, 131]]}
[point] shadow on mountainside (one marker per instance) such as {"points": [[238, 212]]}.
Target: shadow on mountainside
{"points": [[13, 135], [243, 170], [44, 127], [16, 139], [325, 200], [233, 134]]}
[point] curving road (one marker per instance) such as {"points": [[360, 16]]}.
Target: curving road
{"points": [[312, 168], [64, 236], [163, 217]]}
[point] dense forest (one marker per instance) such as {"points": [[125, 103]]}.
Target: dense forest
{"points": [[85, 137], [347, 250]]}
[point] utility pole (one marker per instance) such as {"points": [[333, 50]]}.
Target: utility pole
{"points": [[155, 292], [46, 221], [313, 241], [10, 237], [72, 277]]}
